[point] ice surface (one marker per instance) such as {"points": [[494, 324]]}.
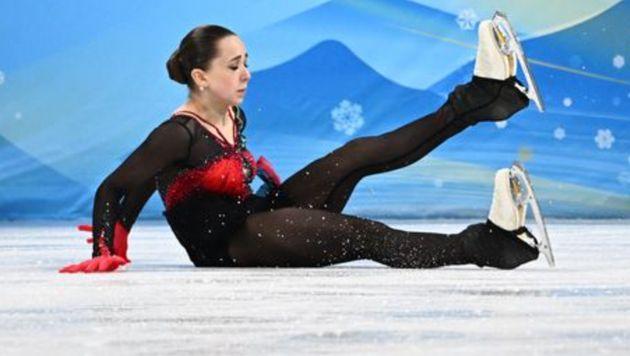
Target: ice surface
{"points": [[162, 305]]}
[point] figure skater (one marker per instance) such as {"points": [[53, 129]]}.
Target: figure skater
{"points": [[198, 162]]}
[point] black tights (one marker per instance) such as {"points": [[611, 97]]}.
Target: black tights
{"points": [[314, 232]]}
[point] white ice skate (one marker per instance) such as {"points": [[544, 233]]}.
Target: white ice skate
{"points": [[513, 193], [492, 62], [498, 51]]}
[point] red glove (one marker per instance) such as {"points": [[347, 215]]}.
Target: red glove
{"points": [[106, 262], [267, 173], [120, 239], [102, 263]]}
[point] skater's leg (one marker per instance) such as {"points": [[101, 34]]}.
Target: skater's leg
{"points": [[341, 192], [294, 237], [339, 171], [339, 196], [328, 182], [492, 95]]}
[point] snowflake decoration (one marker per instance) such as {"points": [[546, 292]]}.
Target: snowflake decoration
{"points": [[604, 139], [559, 133], [624, 178], [619, 61], [501, 124], [467, 19], [1, 77], [18, 115], [347, 117], [567, 102]]}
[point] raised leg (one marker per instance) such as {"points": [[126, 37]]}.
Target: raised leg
{"points": [[328, 182], [492, 95]]}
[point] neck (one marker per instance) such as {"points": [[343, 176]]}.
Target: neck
{"points": [[212, 112]]}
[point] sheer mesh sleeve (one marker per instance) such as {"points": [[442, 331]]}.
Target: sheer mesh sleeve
{"points": [[124, 192], [134, 201]]}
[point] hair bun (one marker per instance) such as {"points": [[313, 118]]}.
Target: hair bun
{"points": [[174, 67], [195, 51]]}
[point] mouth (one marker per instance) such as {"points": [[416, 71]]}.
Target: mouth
{"points": [[242, 90]]}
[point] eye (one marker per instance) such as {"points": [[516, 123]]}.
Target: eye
{"points": [[235, 68]]}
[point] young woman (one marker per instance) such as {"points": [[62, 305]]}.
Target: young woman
{"points": [[199, 163]]}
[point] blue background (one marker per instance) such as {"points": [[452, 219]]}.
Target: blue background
{"points": [[82, 83]]}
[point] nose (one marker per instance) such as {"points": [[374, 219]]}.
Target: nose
{"points": [[246, 75]]}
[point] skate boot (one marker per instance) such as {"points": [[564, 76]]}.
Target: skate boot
{"points": [[484, 99], [509, 205], [487, 244], [491, 62], [494, 94], [504, 241]]}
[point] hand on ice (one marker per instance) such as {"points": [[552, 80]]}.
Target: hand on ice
{"points": [[106, 263]]}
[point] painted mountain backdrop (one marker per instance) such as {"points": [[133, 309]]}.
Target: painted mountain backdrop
{"points": [[73, 105]]}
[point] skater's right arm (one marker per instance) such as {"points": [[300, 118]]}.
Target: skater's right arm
{"points": [[167, 144]]}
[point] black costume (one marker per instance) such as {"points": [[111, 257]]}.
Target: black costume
{"points": [[204, 184]]}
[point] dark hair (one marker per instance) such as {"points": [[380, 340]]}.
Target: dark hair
{"points": [[196, 50]]}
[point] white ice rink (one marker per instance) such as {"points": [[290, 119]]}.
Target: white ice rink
{"points": [[162, 305]]}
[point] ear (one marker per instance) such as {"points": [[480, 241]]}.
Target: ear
{"points": [[199, 77]]}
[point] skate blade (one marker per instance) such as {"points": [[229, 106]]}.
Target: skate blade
{"points": [[510, 44], [544, 245]]}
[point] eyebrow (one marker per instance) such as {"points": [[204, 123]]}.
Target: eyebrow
{"points": [[239, 56]]}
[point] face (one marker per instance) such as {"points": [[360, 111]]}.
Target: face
{"points": [[227, 76]]}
